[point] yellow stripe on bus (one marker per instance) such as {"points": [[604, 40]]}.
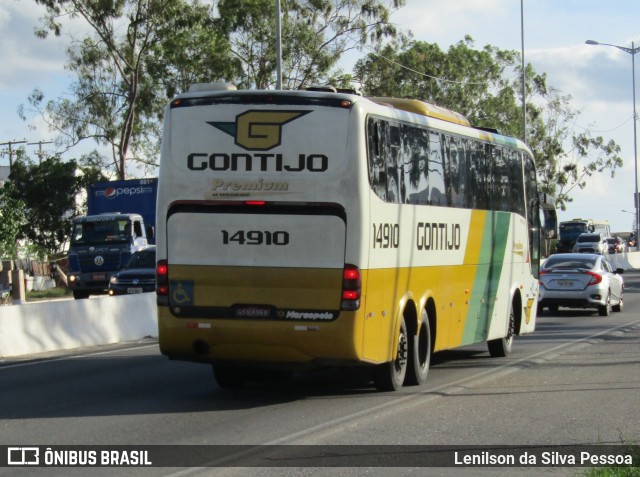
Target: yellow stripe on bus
{"points": [[465, 277]]}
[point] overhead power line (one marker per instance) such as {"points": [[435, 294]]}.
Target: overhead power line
{"points": [[11, 152]]}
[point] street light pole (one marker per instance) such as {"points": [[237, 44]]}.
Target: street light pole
{"points": [[635, 224], [632, 51], [524, 76], [278, 48]]}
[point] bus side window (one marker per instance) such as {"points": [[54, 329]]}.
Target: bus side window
{"points": [[533, 213], [486, 180], [376, 151], [416, 158], [500, 191], [456, 170], [394, 166], [516, 180], [436, 170]]}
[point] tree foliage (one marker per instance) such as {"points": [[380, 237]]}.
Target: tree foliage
{"points": [[566, 158], [39, 201], [139, 54], [11, 221], [485, 86], [315, 35]]}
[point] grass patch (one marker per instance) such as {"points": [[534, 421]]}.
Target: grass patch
{"points": [[614, 472], [48, 294], [619, 471]]}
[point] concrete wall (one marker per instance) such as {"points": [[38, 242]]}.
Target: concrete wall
{"points": [[66, 324], [626, 260]]}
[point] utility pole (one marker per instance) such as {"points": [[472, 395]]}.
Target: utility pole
{"points": [[10, 144], [40, 153]]}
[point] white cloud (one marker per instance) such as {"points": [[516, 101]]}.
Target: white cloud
{"points": [[27, 57]]}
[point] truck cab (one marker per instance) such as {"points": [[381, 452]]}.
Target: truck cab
{"points": [[100, 246], [570, 231]]}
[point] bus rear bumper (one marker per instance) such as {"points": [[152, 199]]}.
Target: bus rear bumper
{"points": [[256, 343]]}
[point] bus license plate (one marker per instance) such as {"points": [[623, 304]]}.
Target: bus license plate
{"points": [[253, 312], [134, 290], [98, 276]]}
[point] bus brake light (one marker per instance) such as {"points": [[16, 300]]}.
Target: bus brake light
{"points": [[351, 288], [162, 278]]}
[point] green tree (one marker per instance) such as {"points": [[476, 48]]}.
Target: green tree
{"points": [[11, 221], [479, 84], [42, 199], [485, 86], [139, 54], [566, 158], [315, 35]]}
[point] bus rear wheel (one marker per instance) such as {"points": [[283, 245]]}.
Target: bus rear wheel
{"points": [[419, 354], [390, 376]]}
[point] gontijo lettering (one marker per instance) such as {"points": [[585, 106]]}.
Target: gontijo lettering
{"points": [[200, 161], [437, 236]]}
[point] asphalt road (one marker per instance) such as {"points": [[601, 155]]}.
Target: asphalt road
{"points": [[576, 380]]}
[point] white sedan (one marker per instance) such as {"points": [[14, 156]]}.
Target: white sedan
{"points": [[580, 280]]}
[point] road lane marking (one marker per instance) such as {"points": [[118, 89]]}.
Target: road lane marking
{"points": [[8, 365]]}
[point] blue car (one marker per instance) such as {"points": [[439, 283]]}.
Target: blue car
{"points": [[137, 276]]}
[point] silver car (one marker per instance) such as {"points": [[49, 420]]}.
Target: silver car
{"points": [[591, 243], [580, 280]]}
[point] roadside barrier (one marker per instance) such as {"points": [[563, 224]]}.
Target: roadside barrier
{"points": [[68, 324]]}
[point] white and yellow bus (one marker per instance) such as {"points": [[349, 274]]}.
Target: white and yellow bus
{"points": [[306, 229]]}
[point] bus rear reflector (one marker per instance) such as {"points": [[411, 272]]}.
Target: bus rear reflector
{"points": [[351, 288]]}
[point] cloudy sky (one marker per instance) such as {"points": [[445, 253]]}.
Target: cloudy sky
{"points": [[597, 77]]}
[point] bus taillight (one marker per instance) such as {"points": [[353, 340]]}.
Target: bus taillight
{"points": [[351, 288], [162, 279]]}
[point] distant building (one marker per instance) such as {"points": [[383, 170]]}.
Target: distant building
{"points": [[4, 174]]}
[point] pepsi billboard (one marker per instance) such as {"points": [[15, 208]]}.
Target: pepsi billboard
{"points": [[132, 196]]}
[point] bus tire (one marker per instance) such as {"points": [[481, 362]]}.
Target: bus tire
{"points": [[229, 377], [501, 347], [419, 354], [390, 376], [80, 294]]}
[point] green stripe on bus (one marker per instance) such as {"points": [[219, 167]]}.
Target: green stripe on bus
{"points": [[488, 272]]}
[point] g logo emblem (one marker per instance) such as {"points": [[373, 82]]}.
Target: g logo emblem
{"points": [[99, 260], [258, 130]]}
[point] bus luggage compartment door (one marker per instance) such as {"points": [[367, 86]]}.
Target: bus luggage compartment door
{"points": [[255, 265]]}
